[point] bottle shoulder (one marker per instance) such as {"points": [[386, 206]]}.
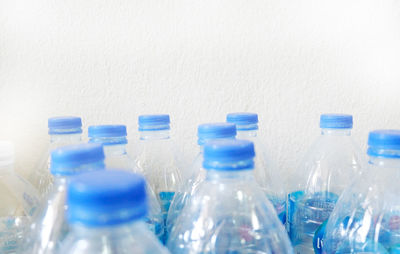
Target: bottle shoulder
{"points": [[373, 188], [367, 214], [118, 241], [122, 161], [245, 217], [152, 153], [241, 199], [329, 165]]}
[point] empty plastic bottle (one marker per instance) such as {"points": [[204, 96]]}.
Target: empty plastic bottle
{"points": [[366, 218], [266, 172], [49, 226], [18, 202], [65, 130], [205, 133], [113, 138], [229, 213], [106, 212], [157, 158], [328, 168]]}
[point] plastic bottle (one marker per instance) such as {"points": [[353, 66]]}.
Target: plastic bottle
{"points": [[366, 218], [267, 174], [114, 140], [328, 168], [229, 213], [205, 133], [18, 201], [156, 156], [64, 130], [49, 226], [106, 212]]}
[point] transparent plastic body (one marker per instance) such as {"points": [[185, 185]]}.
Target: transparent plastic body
{"points": [[228, 213], [197, 175], [156, 156], [41, 177], [119, 239], [366, 218], [49, 226], [19, 202], [329, 167], [267, 173], [118, 158]]}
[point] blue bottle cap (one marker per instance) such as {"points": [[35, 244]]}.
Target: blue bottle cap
{"points": [[108, 134], [228, 154], [106, 197], [384, 143], [336, 121], [154, 122], [68, 160], [215, 131], [243, 120], [65, 125]]}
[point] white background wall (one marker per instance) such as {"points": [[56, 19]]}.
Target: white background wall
{"points": [[109, 61]]}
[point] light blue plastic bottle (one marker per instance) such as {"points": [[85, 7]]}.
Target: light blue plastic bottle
{"points": [[366, 218], [205, 133], [63, 130], [266, 171], [114, 140], [18, 202], [49, 226], [229, 213], [106, 212], [328, 168], [156, 156]]}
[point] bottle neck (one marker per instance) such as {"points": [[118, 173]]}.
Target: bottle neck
{"points": [[382, 162], [109, 141], [247, 127], [223, 165], [66, 171], [112, 150], [154, 135], [202, 141], [243, 174], [245, 134], [118, 231], [66, 138], [335, 132]]}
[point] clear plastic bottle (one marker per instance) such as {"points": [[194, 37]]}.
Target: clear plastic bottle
{"points": [[18, 202], [114, 140], [229, 213], [328, 168], [366, 218], [63, 130], [49, 226], [156, 156], [266, 172], [205, 133], [106, 212]]}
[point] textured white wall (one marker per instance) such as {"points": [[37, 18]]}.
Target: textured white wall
{"points": [[109, 61]]}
